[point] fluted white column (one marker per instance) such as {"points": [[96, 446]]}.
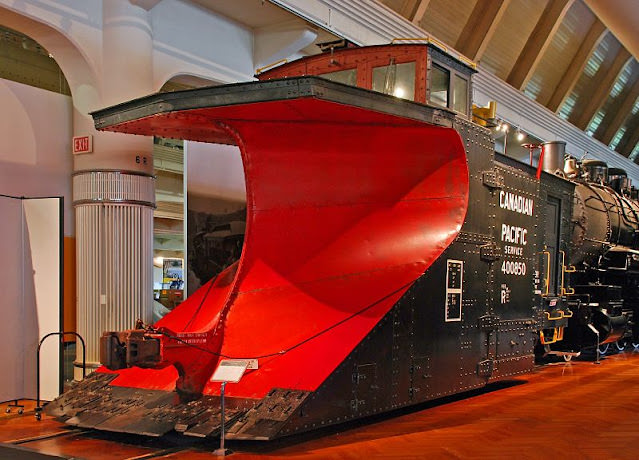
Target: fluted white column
{"points": [[114, 226]]}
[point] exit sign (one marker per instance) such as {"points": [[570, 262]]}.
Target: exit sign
{"points": [[82, 144]]}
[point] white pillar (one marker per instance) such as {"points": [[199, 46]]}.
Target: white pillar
{"points": [[113, 189]]}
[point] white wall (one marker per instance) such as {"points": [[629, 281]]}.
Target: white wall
{"points": [[31, 248], [214, 171], [35, 161], [35, 152]]}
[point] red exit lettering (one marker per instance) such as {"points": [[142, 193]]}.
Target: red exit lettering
{"points": [[82, 144]]}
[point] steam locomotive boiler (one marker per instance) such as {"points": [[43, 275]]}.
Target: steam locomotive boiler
{"points": [[391, 256], [603, 258]]}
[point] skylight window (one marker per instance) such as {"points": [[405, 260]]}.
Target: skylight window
{"points": [[568, 106], [594, 124], [598, 56], [622, 79], [617, 138]]}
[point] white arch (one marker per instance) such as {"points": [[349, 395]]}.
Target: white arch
{"points": [[76, 63]]}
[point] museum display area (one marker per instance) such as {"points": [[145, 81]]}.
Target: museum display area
{"points": [[311, 224]]}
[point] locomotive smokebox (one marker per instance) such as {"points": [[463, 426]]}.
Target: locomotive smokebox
{"points": [[553, 158]]}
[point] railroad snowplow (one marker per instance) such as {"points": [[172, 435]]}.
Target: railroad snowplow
{"points": [[351, 197]]}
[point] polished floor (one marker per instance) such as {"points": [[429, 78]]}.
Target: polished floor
{"points": [[563, 410]]}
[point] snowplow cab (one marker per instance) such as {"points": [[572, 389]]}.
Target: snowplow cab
{"points": [[424, 73]]}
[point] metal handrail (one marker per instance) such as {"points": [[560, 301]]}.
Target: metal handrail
{"points": [[38, 409], [547, 280], [259, 70]]}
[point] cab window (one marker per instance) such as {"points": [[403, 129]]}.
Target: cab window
{"points": [[395, 79], [460, 94], [439, 85], [449, 87]]}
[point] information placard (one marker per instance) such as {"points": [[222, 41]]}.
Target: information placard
{"points": [[230, 370]]}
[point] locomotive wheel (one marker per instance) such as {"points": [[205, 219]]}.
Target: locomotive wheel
{"points": [[603, 349]]}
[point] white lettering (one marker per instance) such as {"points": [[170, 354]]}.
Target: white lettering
{"points": [[509, 267], [513, 234], [516, 203], [513, 250], [505, 294]]}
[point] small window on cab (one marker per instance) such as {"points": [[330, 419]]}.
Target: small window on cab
{"points": [[395, 79], [348, 77], [460, 94], [439, 86]]}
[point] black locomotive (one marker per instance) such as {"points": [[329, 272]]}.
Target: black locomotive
{"points": [[604, 260], [391, 255]]}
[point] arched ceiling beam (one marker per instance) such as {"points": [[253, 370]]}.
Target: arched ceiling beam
{"points": [[408, 9], [577, 65], [480, 27], [620, 16], [418, 11], [630, 137], [537, 43], [619, 110], [602, 90]]}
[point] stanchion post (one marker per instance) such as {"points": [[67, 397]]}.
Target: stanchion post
{"points": [[596, 332], [221, 452], [228, 371]]}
